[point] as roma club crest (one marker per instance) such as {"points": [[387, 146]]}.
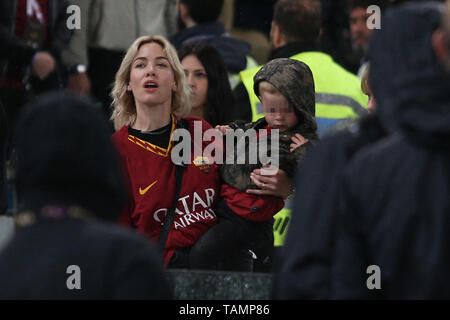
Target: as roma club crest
{"points": [[203, 163]]}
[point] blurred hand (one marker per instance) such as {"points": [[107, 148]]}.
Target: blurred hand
{"points": [[272, 181], [297, 141], [43, 64], [79, 83], [223, 129]]}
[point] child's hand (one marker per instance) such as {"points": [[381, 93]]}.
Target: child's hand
{"points": [[223, 129], [297, 141]]}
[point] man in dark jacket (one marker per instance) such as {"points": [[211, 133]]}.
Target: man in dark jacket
{"points": [[32, 35], [18, 52], [393, 234], [304, 268], [68, 179]]}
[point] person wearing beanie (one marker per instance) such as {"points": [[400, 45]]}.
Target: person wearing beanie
{"points": [[68, 180], [286, 90]]}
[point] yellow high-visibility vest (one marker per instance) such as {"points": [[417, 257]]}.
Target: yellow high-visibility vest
{"points": [[338, 91], [280, 226], [235, 79]]}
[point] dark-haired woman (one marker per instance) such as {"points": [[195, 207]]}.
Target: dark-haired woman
{"points": [[207, 77]]}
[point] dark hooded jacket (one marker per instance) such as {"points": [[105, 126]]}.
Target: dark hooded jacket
{"points": [[395, 194], [303, 269], [294, 80], [233, 51], [303, 265]]}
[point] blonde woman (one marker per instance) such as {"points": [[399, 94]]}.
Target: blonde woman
{"points": [[150, 98]]}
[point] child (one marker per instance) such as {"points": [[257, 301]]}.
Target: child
{"points": [[286, 90]]}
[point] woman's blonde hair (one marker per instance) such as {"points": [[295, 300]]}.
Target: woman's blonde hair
{"points": [[365, 82], [124, 108]]}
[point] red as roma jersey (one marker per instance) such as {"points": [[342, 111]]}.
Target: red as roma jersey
{"points": [[150, 175]]}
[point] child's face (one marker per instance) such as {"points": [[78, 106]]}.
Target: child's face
{"points": [[279, 112]]}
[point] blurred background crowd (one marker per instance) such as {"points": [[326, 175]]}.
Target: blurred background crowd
{"points": [[40, 57], [358, 92]]}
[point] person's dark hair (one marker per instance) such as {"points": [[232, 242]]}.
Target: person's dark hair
{"points": [[203, 11], [299, 20], [65, 156], [220, 102]]}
